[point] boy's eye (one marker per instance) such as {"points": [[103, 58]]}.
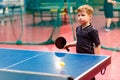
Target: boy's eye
{"points": [[81, 15], [78, 15]]}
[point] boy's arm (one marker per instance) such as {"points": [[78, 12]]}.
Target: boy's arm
{"points": [[97, 49], [70, 44]]}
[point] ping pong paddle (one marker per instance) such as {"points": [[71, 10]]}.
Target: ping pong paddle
{"points": [[60, 42]]}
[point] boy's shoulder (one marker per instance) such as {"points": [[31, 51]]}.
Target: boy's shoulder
{"points": [[89, 28], [92, 28]]}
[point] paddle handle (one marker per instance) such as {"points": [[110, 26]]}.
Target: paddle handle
{"points": [[67, 49]]}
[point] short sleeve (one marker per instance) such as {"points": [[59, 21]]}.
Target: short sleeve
{"points": [[95, 37]]}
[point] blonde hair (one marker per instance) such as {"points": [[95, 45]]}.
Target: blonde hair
{"points": [[89, 10]]}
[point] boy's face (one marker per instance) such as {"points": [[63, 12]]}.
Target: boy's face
{"points": [[84, 18]]}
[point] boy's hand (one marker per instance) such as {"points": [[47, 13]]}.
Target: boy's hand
{"points": [[66, 47]]}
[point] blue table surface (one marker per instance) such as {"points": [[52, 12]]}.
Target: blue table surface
{"points": [[47, 62]]}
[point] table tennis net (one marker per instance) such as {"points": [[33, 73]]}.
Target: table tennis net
{"points": [[6, 74]]}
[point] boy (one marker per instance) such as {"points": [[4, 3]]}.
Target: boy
{"points": [[87, 41]]}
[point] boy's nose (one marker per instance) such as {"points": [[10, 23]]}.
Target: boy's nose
{"points": [[79, 17]]}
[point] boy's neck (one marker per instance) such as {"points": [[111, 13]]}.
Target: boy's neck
{"points": [[84, 26]]}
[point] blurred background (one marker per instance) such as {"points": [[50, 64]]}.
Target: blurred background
{"points": [[35, 24], [39, 21]]}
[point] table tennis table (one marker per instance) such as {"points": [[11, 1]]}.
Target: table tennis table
{"points": [[11, 11], [43, 11], [17, 64]]}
